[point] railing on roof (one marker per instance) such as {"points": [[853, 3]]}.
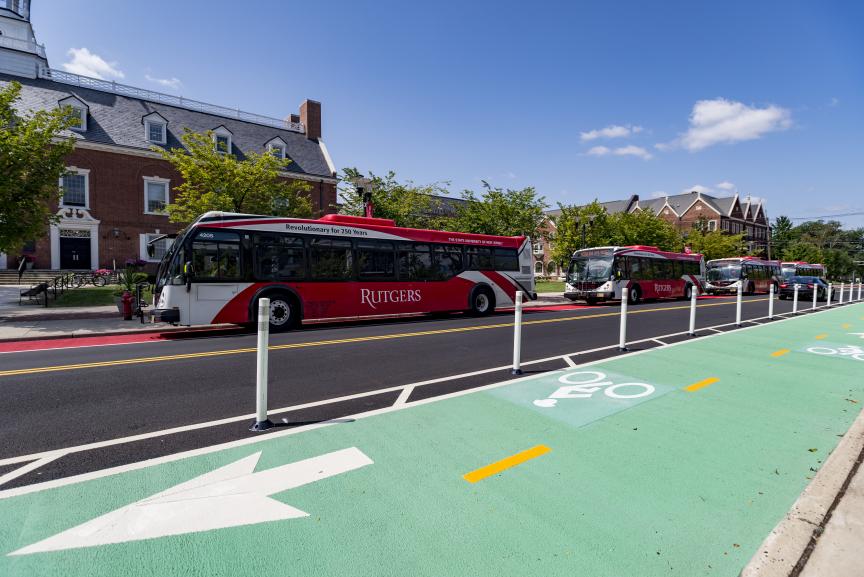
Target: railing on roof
{"points": [[162, 98], [23, 45]]}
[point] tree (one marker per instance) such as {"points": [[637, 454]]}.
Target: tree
{"points": [[569, 225], [781, 233], [714, 244], [502, 212], [408, 204], [32, 159], [643, 227], [214, 180]]}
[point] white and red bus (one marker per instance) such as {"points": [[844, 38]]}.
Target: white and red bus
{"points": [[801, 268], [755, 275], [336, 267], [640, 272]]}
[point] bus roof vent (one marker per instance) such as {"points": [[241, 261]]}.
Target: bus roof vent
{"points": [[346, 219]]}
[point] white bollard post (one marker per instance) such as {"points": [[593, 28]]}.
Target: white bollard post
{"points": [[842, 286], [830, 296], [622, 335], [771, 301], [795, 300], [262, 423], [815, 293], [517, 337], [859, 289], [693, 295], [738, 306]]}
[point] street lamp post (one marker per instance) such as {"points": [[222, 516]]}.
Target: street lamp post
{"points": [[584, 223], [363, 187]]}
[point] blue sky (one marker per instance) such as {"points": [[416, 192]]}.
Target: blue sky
{"points": [[580, 100]]}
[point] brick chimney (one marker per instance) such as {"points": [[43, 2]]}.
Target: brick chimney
{"points": [[292, 118], [310, 116]]}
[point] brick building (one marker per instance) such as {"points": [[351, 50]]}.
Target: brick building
{"points": [[116, 187], [731, 214]]}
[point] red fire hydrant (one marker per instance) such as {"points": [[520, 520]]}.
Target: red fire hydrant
{"points": [[126, 301]]}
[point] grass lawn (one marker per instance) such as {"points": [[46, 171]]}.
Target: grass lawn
{"points": [[549, 287], [90, 296]]}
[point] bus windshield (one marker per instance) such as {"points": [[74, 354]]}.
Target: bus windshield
{"points": [[788, 272], [590, 268], [170, 267], [728, 272]]}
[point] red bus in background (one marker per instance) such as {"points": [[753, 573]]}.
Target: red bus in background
{"points": [[635, 272], [801, 268], [755, 275], [336, 267]]}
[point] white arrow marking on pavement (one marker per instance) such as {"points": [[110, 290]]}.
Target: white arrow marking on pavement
{"points": [[861, 335], [230, 496]]}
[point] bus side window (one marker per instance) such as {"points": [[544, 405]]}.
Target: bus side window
{"points": [[647, 266], [415, 262], [635, 268], [620, 267], [506, 259], [376, 260], [478, 258], [330, 259], [279, 257], [448, 260]]}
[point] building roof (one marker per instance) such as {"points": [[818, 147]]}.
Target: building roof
{"points": [[679, 203], [116, 120]]}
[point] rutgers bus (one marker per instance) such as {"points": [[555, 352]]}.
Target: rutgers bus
{"points": [[800, 268], [754, 274], [642, 272], [336, 267]]}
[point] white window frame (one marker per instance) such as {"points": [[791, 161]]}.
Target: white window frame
{"points": [[142, 249], [276, 146], [712, 225], [157, 180], [225, 133], [82, 113], [84, 172], [164, 126]]}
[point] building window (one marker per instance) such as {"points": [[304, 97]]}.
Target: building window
{"points": [[155, 132], [155, 195], [160, 247], [75, 186], [538, 248], [712, 225], [79, 118], [278, 151]]}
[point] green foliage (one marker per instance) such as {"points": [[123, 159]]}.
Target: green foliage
{"points": [[32, 159], [130, 278], [840, 250], [408, 204], [218, 181], [602, 229], [502, 212]]}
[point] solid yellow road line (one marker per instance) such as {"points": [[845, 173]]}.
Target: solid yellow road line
{"points": [[135, 361], [701, 384], [511, 461], [780, 353], [820, 337]]}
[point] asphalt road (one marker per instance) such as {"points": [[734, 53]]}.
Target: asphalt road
{"points": [[59, 399]]}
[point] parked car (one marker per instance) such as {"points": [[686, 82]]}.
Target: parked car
{"points": [[806, 286]]}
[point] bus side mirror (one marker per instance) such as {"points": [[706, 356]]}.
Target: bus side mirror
{"points": [[188, 273]]}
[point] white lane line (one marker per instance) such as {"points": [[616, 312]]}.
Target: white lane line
{"points": [[250, 416], [36, 487], [20, 471], [569, 361], [403, 396], [659, 342]]}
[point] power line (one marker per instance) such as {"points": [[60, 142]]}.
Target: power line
{"points": [[826, 216]]}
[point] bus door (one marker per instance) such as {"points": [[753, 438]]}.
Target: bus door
{"points": [[215, 274]]}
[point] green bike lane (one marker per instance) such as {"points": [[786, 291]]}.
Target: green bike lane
{"points": [[675, 461]]}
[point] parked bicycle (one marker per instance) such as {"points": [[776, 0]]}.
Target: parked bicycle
{"points": [[82, 279]]}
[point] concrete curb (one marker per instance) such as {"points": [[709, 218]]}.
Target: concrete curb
{"points": [[60, 316], [202, 329], [780, 552]]}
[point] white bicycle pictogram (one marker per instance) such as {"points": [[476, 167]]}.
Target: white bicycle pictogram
{"points": [[851, 351], [583, 385]]}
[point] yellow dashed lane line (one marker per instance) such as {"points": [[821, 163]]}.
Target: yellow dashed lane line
{"points": [[141, 360], [504, 464], [701, 384], [780, 353]]}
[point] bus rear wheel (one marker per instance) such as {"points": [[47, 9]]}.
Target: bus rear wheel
{"points": [[284, 313], [482, 302]]}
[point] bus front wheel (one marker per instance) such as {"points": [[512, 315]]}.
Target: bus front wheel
{"points": [[634, 294], [688, 291], [284, 313], [482, 302]]}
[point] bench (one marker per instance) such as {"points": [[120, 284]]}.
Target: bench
{"points": [[33, 293]]}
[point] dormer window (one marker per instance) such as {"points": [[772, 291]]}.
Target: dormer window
{"points": [[277, 148], [222, 140], [77, 109], [155, 128]]}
